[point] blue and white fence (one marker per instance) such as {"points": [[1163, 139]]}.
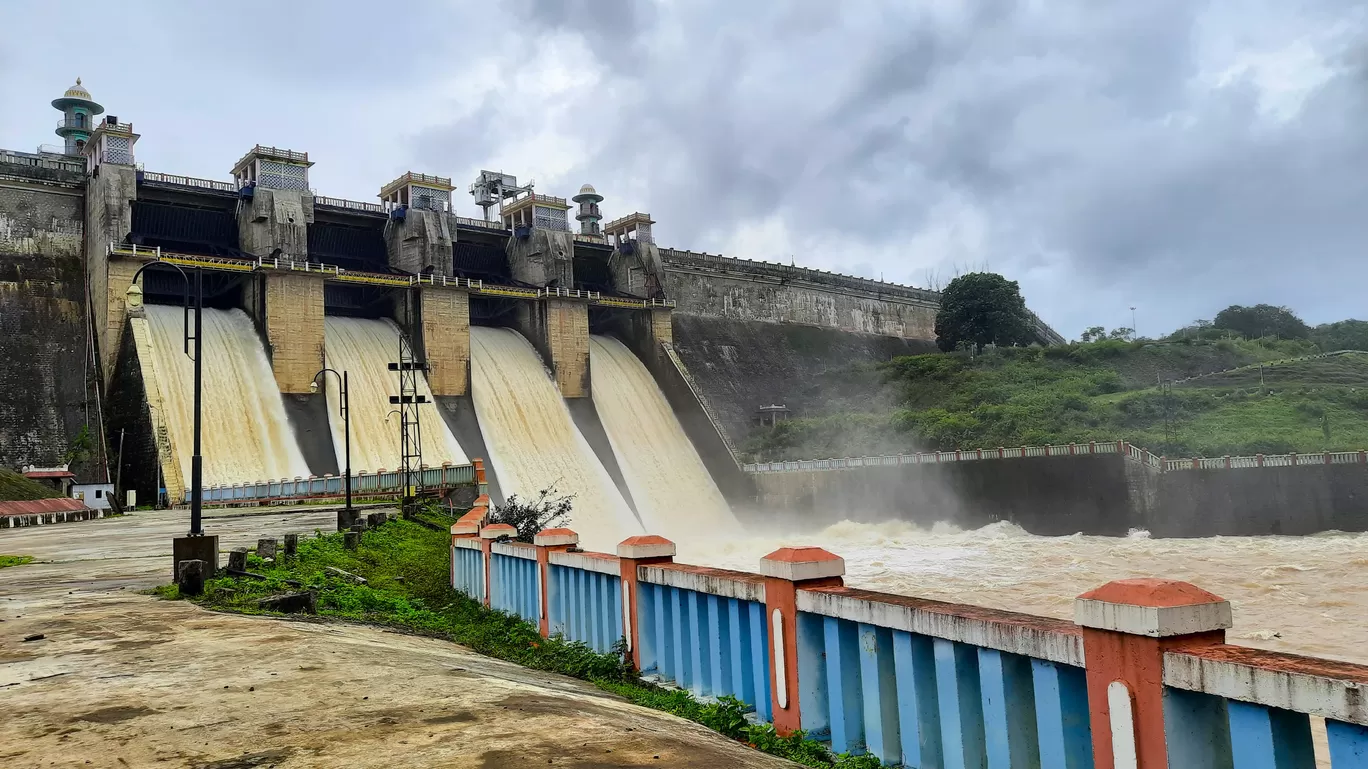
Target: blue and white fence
{"points": [[704, 630], [467, 567], [584, 599], [1141, 678], [514, 586]]}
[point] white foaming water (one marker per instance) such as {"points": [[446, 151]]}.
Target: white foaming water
{"points": [[533, 442], [364, 349], [246, 435], [673, 491]]}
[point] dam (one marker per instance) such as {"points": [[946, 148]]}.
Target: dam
{"points": [[622, 374]]}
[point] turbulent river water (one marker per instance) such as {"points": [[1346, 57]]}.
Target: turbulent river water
{"points": [[1307, 595]]}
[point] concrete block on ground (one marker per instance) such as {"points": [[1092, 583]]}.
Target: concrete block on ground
{"points": [[190, 577], [291, 545], [352, 540], [266, 548], [237, 559], [374, 520], [196, 548]]}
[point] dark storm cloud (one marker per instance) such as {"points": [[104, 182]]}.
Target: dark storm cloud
{"points": [[1109, 162]]}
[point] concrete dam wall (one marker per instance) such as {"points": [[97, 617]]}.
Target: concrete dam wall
{"points": [[1061, 495], [42, 323], [742, 365]]}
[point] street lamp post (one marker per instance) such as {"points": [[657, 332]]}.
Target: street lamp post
{"points": [[346, 431], [194, 546]]}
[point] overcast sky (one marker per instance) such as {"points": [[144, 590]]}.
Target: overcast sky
{"points": [[1174, 155]]}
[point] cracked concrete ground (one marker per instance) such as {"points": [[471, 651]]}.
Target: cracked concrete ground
{"points": [[121, 679]]}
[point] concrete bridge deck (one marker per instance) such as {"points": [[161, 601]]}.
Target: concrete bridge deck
{"points": [[125, 680]]}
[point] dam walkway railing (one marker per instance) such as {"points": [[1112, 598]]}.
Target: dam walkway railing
{"points": [[382, 483], [1142, 676], [389, 280], [1128, 450]]}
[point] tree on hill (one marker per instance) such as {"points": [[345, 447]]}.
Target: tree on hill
{"points": [[982, 308], [1342, 335], [1262, 320]]}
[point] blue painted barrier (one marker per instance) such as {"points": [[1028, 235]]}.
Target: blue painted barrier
{"points": [[467, 568], [584, 599], [514, 586], [922, 683], [704, 630]]}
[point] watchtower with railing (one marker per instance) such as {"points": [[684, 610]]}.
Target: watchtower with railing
{"points": [[419, 233], [423, 191], [78, 117], [273, 168]]}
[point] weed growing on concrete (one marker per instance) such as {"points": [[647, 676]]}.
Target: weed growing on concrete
{"points": [[14, 560], [406, 568]]}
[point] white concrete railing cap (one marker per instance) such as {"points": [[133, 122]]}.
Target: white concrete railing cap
{"points": [[1157, 608], [496, 530], [798, 564], [555, 538], [646, 546]]}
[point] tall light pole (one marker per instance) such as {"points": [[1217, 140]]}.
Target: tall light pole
{"points": [[346, 428], [1133, 334], [195, 546]]}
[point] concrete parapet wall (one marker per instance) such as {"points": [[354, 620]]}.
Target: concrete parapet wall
{"points": [[1107, 494], [739, 289], [294, 328]]}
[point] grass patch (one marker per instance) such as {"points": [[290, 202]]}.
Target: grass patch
{"points": [[16, 488], [407, 566], [14, 560], [1102, 391]]}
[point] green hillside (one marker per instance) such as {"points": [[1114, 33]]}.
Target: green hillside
{"points": [[1102, 390], [14, 486]]}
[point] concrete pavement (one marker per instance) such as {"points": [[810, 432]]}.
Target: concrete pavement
{"points": [[122, 679]]}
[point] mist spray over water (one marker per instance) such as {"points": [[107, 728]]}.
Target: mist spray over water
{"points": [[364, 349], [673, 491], [533, 442], [246, 435]]}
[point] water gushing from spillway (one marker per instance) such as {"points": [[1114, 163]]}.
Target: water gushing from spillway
{"points": [[246, 435], [534, 443], [364, 349], [673, 491]]}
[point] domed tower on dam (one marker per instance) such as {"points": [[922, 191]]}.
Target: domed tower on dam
{"points": [[78, 117]]}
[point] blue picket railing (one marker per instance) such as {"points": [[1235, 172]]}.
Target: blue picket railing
{"points": [[584, 599], [915, 684], [1232, 706], [704, 630], [513, 580], [467, 567]]}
